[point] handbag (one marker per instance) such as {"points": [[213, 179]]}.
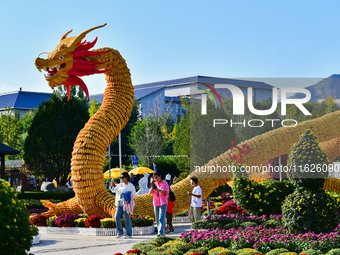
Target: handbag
{"points": [[127, 196]]}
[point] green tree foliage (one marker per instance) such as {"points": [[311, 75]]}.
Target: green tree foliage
{"points": [[181, 145], [127, 151], [16, 231], [309, 208], [307, 211], [331, 105], [260, 198], [246, 132], [94, 107], [48, 146], [10, 130], [207, 141], [146, 140], [308, 162]]}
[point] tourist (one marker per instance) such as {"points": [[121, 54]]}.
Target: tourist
{"points": [[170, 210], [125, 191], [196, 200], [160, 191], [134, 180]]}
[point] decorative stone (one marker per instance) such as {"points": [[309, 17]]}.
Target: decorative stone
{"points": [[47, 186]]}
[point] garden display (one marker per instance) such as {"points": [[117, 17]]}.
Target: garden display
{"points": [[71, 59]]}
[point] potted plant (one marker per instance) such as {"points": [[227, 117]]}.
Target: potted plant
{"points": [[51, 221], [93, 221], [108, 223], [38, 220], [80, 222], [66, 220]]}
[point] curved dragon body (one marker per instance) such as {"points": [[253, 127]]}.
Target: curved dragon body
{"points": [[72, 58]]}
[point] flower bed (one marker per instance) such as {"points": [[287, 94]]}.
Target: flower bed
{"points": [[237, 220], [261, 238]]}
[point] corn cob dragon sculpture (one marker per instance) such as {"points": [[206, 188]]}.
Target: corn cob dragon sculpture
{"points": [[73, 58]]}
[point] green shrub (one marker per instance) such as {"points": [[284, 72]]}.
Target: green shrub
{"points": [[181, 177], [334, 252], [288, 253], [166, 164], [182, 213], [63, 196], [230, 225], [247, 251], [309, 208], [220, 190], [202, 250], [16, 232], [277, 251], [311, 252], [200, 224], [260, 198], [305, 154], [305, 211], [144, 246], [51, 221], [176, 244], [160, 250], [247, 224], [220, 250], [80, 222], [160, 240], [107, 223], [272, 223]]}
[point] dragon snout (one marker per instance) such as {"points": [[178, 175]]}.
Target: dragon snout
{"points": [[40, 63]]}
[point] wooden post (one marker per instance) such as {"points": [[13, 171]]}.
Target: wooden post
{"points": [[208, 206]]}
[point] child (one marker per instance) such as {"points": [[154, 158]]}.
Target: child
{"points": [[196, 200], [170, 210]]}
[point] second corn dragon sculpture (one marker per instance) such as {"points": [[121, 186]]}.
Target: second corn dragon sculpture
{"points": [[73, 58]]}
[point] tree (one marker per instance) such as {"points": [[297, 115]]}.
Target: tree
{"points": [[309, 208], [207, 141], [10, 130], [182, 140], [146, 139], [94, 107], [331, 105], [127, 151], [48, 146]]}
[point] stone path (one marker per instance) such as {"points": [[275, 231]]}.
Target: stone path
{"points": [[56, 244]]}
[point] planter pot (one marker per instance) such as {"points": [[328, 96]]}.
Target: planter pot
{"points": [[68, 225], [41, 224]]}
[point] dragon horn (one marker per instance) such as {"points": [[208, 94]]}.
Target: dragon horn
{"points": [[65, 35], [83, 34]]}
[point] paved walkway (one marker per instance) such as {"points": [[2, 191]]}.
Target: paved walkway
{"points": [[88, 245]]}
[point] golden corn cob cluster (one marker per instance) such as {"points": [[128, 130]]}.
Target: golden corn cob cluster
{"points": [[332, 184], [93, 140]]}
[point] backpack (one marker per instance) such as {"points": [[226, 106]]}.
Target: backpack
{"points": [[172, 196]]}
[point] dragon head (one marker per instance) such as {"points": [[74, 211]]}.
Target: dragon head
{"points": [[68, 61]]}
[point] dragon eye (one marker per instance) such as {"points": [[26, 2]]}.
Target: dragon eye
{"points": [[61, 57]]}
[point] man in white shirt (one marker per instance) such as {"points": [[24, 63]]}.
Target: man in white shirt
{"points": [[196, 200]]}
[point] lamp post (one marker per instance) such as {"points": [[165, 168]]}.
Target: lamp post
{"points": [[120, 153]]}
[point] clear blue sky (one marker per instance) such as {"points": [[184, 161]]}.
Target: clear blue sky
{"points": [[163, 40]]}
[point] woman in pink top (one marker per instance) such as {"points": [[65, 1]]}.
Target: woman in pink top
{"points": [[160, 191]]}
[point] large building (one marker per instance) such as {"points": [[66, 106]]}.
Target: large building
{"points": [[154, 98], [21, 101], [164, 96]]}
